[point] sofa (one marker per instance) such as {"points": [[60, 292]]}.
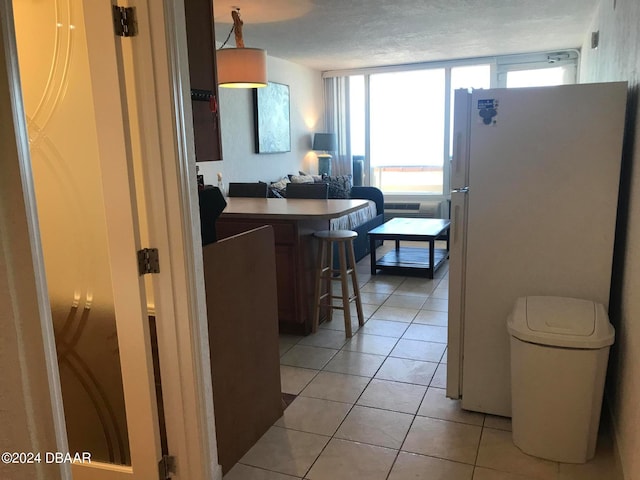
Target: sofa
{"points": [[361, 244], [339, 185]]}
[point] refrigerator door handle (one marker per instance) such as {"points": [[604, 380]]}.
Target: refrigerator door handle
{"points": [[457, 278], [456, 163]]}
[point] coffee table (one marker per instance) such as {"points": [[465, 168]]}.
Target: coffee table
{"points": [[404, 259]]}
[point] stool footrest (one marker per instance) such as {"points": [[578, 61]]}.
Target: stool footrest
{"points": [[335, 274], [337, 297]]}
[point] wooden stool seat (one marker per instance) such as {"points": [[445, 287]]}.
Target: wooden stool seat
{"points": [[336, 234], [326, 273]]}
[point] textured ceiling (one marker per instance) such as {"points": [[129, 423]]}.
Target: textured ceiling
{"points": [[342, 34]]}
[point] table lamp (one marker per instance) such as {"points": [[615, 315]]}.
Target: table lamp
{"points": [[325, 142]]}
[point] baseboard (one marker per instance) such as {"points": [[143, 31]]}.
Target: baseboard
{"points": [[614, 435], [217, 474]]}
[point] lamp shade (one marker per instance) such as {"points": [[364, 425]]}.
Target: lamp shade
{"points": [[242, 67], [327, 142]]}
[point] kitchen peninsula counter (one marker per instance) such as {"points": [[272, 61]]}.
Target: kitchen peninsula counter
{"points": [[290, 209], [294, 221]]}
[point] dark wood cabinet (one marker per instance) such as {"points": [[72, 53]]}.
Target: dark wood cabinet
{"points": [[286, 268], [204, 83], [295, 262], [243, 336]]}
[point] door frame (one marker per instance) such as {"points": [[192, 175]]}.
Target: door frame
{"points": [[173, 228]]}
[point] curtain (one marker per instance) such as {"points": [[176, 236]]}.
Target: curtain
{"points": [[337, 121]]}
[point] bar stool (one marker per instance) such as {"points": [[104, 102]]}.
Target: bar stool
{"points": [[325, 271]]}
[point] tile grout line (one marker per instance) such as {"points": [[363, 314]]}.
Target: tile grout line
{"points": [[415, 415], [371, 378]]}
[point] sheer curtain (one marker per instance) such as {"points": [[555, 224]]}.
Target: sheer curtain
{"points": [[337, 121]]}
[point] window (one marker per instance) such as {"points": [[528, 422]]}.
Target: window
{"points": [[407, 131], [407, 126], [538, 69], [399, 120], [540, 77]]}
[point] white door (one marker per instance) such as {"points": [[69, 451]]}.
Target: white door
{"points": [[85, 192]]}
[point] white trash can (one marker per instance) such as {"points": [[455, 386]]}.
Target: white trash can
{"points": [[559, 353]]}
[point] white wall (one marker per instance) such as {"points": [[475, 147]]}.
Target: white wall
{"points": [[240, 163], [618, 58]]}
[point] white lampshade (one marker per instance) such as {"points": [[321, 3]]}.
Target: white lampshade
{"points": [[242, 67]]}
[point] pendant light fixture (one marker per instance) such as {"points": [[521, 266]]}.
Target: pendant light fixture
{"points": [[241, 67]]}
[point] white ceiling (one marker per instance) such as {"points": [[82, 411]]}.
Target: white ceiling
{"points": [[343, 34]]}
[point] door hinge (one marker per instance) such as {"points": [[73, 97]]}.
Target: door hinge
{"points": [[148, 261], [166, 467], [124, 21]]}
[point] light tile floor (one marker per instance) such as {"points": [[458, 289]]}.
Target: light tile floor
{"points": [[374, 406]]}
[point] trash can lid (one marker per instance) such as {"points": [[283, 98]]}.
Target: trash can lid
{"points": [[561, 322]]}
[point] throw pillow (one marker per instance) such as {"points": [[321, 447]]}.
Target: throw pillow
{"points": [[276, 189], [339, 185], [275, 193], [301, 178], [280, 184], [316, 178]]}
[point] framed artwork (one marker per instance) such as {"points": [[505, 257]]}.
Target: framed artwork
{"points": [[272, 128]]}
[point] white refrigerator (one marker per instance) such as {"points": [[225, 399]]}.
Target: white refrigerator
{"points": [[535, 175]]}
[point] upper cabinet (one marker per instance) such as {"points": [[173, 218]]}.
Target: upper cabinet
{"points": [[204, 83]]}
